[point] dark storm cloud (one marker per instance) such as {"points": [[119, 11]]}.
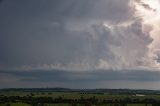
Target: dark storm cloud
{"points": [[92, 79], [65, 38], [1, 1], [94, 47], [38, 32], [90, 76], [93, 9]]}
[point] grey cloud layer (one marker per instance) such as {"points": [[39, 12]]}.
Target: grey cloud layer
{"points": [[102, 35], [93, 79], [61, 32]]}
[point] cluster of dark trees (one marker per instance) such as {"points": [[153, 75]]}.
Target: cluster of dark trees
{"points": [[41, 101]]}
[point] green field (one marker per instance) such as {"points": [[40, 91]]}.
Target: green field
{"points": [[20, 98]]}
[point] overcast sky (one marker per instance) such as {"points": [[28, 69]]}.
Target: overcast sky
{"points": [[79, 44]]}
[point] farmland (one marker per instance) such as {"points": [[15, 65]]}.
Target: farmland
{"points": [[69, 97]]}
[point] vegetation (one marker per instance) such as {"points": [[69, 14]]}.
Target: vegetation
{"points": [[48, 97]]}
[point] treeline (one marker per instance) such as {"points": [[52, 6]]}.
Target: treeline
{"points": [[86, 91], [41, 101]]}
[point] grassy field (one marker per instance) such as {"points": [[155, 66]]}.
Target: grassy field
{"points": [[77, 96]]}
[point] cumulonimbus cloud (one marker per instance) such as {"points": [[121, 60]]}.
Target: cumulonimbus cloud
{"points": [[75, 35]]}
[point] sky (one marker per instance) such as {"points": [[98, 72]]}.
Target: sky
{"points": [[80, 44]]}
